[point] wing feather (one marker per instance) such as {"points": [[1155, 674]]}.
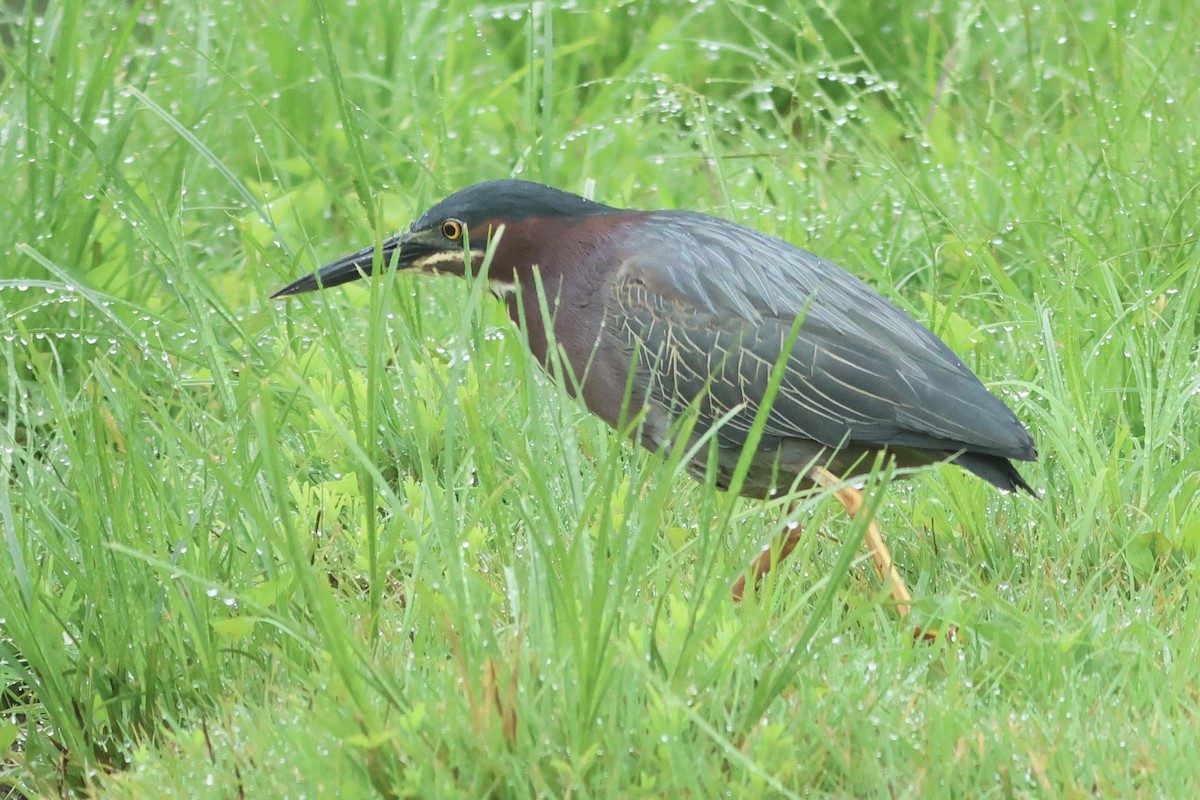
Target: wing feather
{"points": [[710, 305]]}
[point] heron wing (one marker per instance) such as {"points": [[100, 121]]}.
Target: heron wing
{"points": [[711, 305]]}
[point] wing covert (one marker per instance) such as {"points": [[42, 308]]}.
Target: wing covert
{"points": [[710, 323]]}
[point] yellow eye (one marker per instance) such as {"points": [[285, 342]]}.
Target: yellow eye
{"points": [[452, 229]]}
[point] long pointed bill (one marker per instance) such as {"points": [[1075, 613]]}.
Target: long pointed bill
{"points": [[356, 265]]}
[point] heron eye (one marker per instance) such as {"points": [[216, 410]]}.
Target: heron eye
{"points": [[452, 229]]}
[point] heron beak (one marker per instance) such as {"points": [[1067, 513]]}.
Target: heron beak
{"points": [[406, 250]]}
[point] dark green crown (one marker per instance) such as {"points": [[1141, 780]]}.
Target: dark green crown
{"points": [[508, 200]]}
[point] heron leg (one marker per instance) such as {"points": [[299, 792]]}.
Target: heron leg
{"points": [[852, 500], [764, 561]]}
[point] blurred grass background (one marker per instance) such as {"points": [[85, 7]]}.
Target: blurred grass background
{"points": [[359, 544]]}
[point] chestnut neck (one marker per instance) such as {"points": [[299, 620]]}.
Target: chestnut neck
{"points": [[572, 257]]}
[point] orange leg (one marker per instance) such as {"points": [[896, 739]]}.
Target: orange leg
{"points": [[767, 559], [852, 500]]}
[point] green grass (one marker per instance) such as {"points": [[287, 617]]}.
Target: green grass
{"points": [[358, 543]]}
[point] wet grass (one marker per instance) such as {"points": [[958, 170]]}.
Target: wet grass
{"points": [[359, 543]]}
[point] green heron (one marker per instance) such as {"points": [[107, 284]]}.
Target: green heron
{"points": [[701, 310]]}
